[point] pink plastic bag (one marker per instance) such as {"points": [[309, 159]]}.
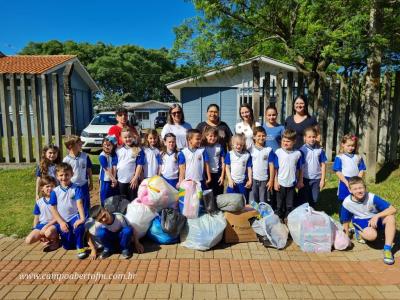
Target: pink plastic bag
{"points": [[340, 240], [190, 194]]}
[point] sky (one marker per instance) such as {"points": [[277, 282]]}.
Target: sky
{"points": [[147, 23]]}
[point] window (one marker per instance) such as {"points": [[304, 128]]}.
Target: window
{"points": [[162, 114], [142, 115], [104, 119]]}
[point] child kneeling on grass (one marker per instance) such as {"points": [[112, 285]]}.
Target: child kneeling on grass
{"points": [[113, 232], [369, 213], [43, 223]]}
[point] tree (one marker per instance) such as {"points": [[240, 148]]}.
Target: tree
{"points": [[110, 101], [140, 73]]}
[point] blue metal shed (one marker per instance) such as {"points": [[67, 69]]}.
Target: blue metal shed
{"points": [[235, 84]]}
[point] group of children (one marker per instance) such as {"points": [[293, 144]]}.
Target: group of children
{"points": [[260, 173]]}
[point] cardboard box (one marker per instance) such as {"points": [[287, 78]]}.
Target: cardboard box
{"points": [[238, 228]]}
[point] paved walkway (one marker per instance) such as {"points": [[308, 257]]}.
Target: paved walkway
{"points": [[238, 271]]}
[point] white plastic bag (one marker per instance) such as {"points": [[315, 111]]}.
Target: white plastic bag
{"points": [[230, 202], [204, 232], [294, 221], [190, 196], [310, 229], [156, 193], [275, 233], [316, 232], [140, 217]]}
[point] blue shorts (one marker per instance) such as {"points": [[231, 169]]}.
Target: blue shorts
{"points": [[39, 226], [363, 223], [172, 182]]}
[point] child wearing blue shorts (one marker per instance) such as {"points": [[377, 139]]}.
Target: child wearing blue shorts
{"points": [[369, 213]]}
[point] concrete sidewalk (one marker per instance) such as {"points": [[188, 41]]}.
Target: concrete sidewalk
{"points": [[238, 271]]}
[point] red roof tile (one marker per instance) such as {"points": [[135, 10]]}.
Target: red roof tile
{"points": [[31, 64]]}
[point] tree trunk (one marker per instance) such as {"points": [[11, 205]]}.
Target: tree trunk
{"points": [[372, 91]]}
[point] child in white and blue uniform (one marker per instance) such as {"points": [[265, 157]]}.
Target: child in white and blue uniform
{"points": [[238, 165], [151, 151], [130, 165], [289, 175], [193, 160], [216, 154], [347, 164], [43, 223], [369, 213], [82, 168], [67, 209], [169, 168], [108, 169], [314, 168], [263, 166]]}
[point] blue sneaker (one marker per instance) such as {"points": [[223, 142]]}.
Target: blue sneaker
{"points": [[388, 257]]}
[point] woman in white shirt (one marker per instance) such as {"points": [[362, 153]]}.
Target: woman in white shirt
{"points": [[176, 124], [248, 123]]}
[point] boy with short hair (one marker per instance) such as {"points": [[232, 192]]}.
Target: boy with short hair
{"points": [[193, 160], [112, 230], [369, 213], [263, 166], [121, 115], [288, 173], [82, 168], [67, 209], [314, 168]]}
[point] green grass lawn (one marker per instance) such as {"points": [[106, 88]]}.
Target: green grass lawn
{"points": [[17, 190]]}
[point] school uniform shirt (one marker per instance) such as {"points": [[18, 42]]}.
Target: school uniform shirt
{"points": [[274, 136], [151, 161], [238, 162], [106, 162], [194, 160], [118, 223], [366, 209], [65, 198], [287, 163], [180, 131], [169, 165], [51, 171], [215, 153], [246, 129], [42, 209], [313, 157], [127, 163], [79, 165], [261, 158], [349, 164]]}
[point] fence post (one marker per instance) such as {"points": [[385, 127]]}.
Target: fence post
{"points": [[289, 94], [331, 114], [342, 110], [256, 89], [300, 84], [8, 150], [384, 119], [16, 119], [56, 113], [46, 110], [394, 129], [68, 100], [353, 102], [278, 93], [266, 91], [27, 119], [37, 120]]}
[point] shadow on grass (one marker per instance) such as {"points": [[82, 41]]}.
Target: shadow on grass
{"points": [[385, 171], [328, 201]]}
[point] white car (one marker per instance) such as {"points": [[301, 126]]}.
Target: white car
{"points": [[93, 134]]}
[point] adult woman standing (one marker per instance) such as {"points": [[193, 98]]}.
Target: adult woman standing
{"points": [[248, 123], [224, 133], [300, 120], [176, 124]]}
